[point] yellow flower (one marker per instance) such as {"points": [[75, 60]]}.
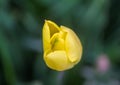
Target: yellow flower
{"points": [[62, 47]]}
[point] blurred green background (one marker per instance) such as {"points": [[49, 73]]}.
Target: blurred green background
{"points": [[96, 22]]}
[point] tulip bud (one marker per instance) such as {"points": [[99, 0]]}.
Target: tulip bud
{"points": [[62, 47]]}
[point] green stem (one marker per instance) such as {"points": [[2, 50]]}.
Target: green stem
{"points": [[6, 60]]}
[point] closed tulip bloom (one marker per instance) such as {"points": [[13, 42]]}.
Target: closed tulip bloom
{"points": [[62, 47]]}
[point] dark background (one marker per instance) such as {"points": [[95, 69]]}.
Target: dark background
{"points": [[96, 22]]}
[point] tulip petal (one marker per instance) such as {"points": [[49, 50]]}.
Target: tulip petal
{"points": [[49, 29], [52, 27], [57, 42], [58, 60], [46, 37], [72, 45]]}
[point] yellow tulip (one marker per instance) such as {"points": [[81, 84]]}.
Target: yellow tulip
{"points": [[62, 47]]}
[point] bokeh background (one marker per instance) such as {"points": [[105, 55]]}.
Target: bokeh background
{"points": [[96, 22]]}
